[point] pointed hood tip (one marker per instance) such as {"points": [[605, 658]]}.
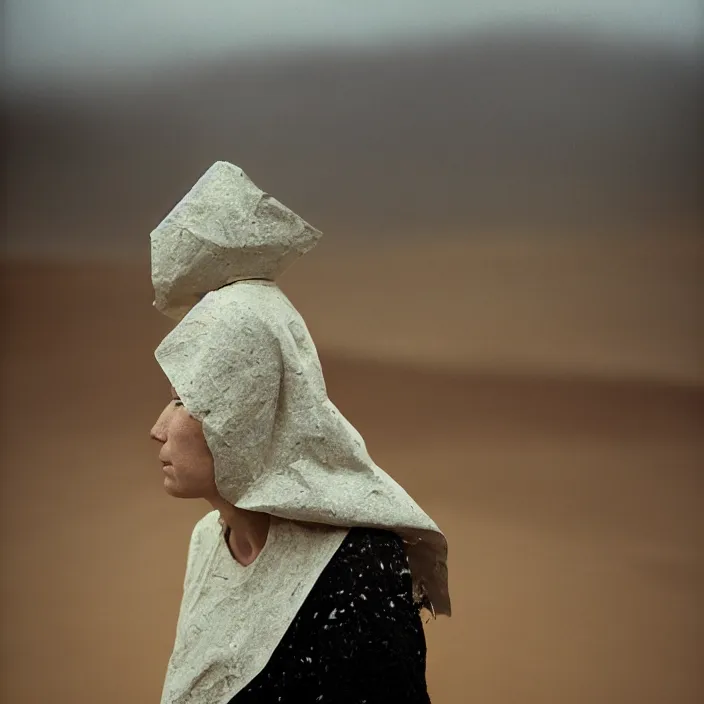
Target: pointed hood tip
{"points": [[225, 229]]}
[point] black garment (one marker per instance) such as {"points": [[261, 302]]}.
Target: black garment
{"points": [[357, 639]]}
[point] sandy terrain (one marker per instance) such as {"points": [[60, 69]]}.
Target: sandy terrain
{"points": [[572, 500]]}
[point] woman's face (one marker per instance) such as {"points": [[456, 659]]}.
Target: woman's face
{"points": [[187, 461]]}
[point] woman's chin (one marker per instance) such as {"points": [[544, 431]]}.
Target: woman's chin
{"points": [[172, 488]]}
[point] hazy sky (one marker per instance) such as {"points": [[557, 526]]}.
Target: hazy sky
{"points": [[54, 39]]}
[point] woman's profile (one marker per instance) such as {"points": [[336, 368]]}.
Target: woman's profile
{"points": [[306, 580]]}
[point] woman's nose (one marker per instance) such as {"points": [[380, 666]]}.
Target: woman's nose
{"points": [[158, 431]]}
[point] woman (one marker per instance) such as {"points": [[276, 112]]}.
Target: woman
{"points": [[304, 583]]}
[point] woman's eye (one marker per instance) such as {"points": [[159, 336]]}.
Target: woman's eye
{"points": [[178, 402]]}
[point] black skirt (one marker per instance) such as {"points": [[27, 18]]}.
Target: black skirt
{"points": [[357, 639]]}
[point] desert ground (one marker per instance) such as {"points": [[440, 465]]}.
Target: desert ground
{"points": [[543, 405]]}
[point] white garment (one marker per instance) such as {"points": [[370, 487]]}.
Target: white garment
{"points": [[216, 653], [245, 366]]}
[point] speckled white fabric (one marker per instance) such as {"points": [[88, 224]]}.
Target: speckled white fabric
{"points": [[244, 364], [222, 619]]}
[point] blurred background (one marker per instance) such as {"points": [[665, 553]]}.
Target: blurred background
{"points": [[507, 304]]}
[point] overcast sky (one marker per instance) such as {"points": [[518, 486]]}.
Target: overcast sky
{"points": [[59, 39]]}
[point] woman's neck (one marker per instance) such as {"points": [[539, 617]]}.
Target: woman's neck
{"points": [[248, 530]]}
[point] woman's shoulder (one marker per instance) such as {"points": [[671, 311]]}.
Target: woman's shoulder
{"points": [[208, 524], [206, 530]]}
